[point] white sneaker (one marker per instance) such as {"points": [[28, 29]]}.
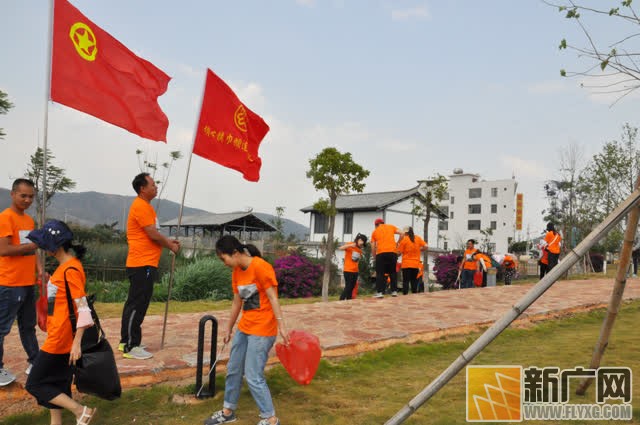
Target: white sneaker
{"points": [[394, 294], [28, 371], [378, 295], [137, 353], [6, 377]]}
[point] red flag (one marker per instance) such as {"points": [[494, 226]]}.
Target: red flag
{"points": [[94, 73], [228, 132]]}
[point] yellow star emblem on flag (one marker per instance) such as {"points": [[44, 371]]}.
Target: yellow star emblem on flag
{"points": [[84, 40]]}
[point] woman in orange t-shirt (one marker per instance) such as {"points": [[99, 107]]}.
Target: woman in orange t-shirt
{"points": [[255, 292], [552, 241], [50, 378], [352, 255], [410, 247]]}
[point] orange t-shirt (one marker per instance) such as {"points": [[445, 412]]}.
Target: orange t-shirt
{"points": [[469, 262], [553, 242], [17, 270], [420, 270], [351, 258], [252, 284], [509, 262], [59, 334], [385, 238], [410, 251], [485, 259], [142, 250], [545, 257]]}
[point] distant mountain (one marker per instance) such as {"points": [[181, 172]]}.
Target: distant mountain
{"points": [[91, 208]]}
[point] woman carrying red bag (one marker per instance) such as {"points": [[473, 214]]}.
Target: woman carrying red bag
{"points": [[255, 292]]}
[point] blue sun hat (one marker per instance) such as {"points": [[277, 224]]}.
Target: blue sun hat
{"points": [[52, 236]]}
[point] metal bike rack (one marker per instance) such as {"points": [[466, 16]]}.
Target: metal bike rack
{"points": [[201, 392]]}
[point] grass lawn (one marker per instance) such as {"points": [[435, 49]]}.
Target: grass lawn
{"points": [[370, 388]]}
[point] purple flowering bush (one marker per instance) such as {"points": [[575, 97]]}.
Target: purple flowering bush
{"points": [[298, 277], [446, 270]]}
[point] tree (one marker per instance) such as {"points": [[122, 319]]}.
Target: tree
{"points": [[56, 181], [431, 192], [613, 64], [5, 105], [278, 237], [337, 174], [147, 166]]}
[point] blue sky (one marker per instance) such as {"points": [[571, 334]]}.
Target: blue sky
{"points": [[410, 88]]}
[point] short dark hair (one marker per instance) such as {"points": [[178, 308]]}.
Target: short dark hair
{"points": [[18, 182], [473, 241], [140, 181], [228, 244]]}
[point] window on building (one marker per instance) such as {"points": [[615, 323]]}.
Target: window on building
{"points": [[473, 225], [320, 223], [348, 223], [446, 245], [445, 210], [445, 197], [451, 215], [453, 198], [494, 225], [491, 247], [494, 192], [443, 225], [494, 208], [475, 193], [475, 209]]}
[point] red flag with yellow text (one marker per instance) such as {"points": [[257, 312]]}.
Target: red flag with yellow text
{"points": [[228, 132], [94, 73]]}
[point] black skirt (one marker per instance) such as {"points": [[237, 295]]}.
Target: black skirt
{"points": [[50, 376]]}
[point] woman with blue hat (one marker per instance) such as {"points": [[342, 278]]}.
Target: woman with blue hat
{"points": [[50, 379]]}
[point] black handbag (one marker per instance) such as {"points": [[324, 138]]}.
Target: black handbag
{"points": [[96, 372]]}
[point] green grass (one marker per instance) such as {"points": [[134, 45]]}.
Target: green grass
{"points": [[370, 388]]}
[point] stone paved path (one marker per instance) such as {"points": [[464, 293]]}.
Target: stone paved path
{"points": [[344, 327]]}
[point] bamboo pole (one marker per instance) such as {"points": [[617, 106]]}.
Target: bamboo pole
{"points": [[616, 295], [525, 302], [184, 193]]}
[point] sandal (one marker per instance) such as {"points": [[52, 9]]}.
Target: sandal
{"points": [[85, 418]]}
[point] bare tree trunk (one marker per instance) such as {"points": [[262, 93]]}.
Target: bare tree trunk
{"points": [[616, 296], [425, 253], [326, 276]]}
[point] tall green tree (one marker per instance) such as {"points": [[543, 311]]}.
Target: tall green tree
{"points": [[57, 180], [611, 57], [5, 105], [335, 173]]}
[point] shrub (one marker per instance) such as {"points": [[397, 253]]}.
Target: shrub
{"points": [[446, 270], [206, 278], [109, 292], [298, 277]]}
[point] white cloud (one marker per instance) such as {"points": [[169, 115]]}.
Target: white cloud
{"points": [[523, 167], [550, 87], [306, 3], [418, 12]]}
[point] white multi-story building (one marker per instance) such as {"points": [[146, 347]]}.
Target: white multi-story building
{"points": [[474, 207]]}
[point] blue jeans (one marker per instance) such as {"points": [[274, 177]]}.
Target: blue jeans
{"points": [[248, 357], [19, 302], [466, 280]]}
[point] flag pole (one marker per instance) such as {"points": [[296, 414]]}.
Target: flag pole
{"points": [[184, 193], [43, 205]]}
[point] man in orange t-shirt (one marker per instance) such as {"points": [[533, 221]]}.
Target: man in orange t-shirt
{"points": [[469, 265], [383, 249], [145, 247], [18, 274]]}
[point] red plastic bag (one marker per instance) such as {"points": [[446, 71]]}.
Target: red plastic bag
{"points": [[477, 278], [42, 306], [301, 357]]}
